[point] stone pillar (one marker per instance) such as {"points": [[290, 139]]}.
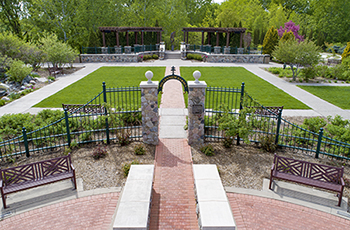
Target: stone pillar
{"points": [[161, 51], [118, 49], [104, 50], [183, 50], [196, 110], [227, 50], [127, 49], [149, 109], [217, 49]]}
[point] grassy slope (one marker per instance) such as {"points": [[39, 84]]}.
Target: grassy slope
{"points": [[262, 91], [88, 87], [337, 95]]}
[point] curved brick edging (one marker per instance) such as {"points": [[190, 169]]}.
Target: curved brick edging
{"points": [[254, 212], [91, 212]]}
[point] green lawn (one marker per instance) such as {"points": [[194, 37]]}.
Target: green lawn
{"points": [[88, 87], [262, 91], [337, 95]]}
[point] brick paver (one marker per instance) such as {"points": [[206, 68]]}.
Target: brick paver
{"points": [[92, 212], [173, 201], [253, 212]]}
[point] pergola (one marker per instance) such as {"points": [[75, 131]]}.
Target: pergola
{"points": [[117, 30], [216, 30]]}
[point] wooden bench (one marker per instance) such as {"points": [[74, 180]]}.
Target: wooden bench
{"points": [[32, 175], [91, 108], [53, 71], [312, 174]]}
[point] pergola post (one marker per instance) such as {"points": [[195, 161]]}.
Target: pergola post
{"points": [[217, 38], [117, 38], [227, 39], [202, 37], [160, 36], [184, 36], [187, 38], [142, 37], [127, 38], [209, 43], [136, 37], [103, 38], [240, 41]]}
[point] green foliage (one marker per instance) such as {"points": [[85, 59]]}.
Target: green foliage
{"points": [[127, 166], [240, 125], [308, 73], [346, 62], [346, 52], [99, 152], [146, 57], [287, 36], [155, 56], [58, 53], [267, 142], [275, 70], [208, 150], [2, 102], [227, 142], [270, 41], [140, 150], [296, 54], [194, 56], [18, 71]]}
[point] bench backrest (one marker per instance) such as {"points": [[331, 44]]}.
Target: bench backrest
{"points": [[36, 171], [91, 108], [306, 169]]}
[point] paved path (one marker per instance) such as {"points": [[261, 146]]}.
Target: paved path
{"points": [[254, 212], [91, 212], [173, 202]]}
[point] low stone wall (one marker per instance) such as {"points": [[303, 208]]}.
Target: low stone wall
{"points": [[88, 58], [238, 58]]}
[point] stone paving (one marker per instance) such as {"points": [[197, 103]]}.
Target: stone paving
{"points": [[91, 212], [254, 212]]}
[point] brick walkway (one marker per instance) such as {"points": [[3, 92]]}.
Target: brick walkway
{"points": [[253, 212], [173, 201], [92, 212]]}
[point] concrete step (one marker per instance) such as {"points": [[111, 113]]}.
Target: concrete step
{"points": [[172, 55]]}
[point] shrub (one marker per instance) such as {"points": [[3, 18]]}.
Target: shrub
{"points": [[99, 152], [275, 70], [155, 56], [227, 142], [346, 52], [127, 166], [18, 71], [2, 102], [195, 57], [267, 142], [123, 137], [308, 73], [147, 57], [208, 150], [139, 150], [322, 71], [270, 41]]}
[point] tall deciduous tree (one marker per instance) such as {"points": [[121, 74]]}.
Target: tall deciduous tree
{"points": [[297, 54]]}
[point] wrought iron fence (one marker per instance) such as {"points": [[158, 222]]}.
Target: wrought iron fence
{"points": [[117, 119], [113, 50], [266, 123]]}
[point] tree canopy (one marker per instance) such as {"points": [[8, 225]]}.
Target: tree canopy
{"points": [[77, 22]]}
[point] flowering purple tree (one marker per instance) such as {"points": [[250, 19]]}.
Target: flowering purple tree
{"points": [[290, 26]]}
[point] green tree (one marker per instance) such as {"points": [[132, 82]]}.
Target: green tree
{"points": [[270, 41], [58, 53], [287, 36], [296, 54]]}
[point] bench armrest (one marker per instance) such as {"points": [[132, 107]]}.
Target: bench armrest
{"points": [[342, 181], [273, 167], [72, 167]]}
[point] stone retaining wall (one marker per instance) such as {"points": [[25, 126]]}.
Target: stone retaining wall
{"points": [[238, 58], [88, 58]]}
